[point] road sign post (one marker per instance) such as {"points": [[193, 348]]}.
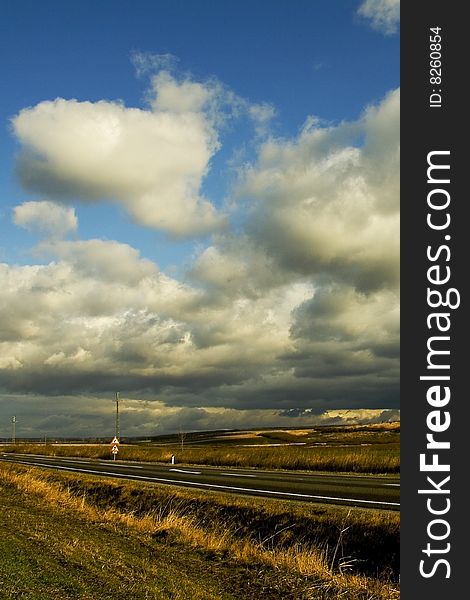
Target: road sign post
{"points": [[114, 447]]}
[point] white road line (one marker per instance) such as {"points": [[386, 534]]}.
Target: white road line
{"points": [[70, 460], [213, 485], [237, 475], [182, 471]]}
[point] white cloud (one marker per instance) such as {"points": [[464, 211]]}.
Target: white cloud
{"points": [[172, 96], [383, 14], [321, 216], [45, 217], [121, 315], [148, 62], [107, 261], [297, 309], [262, 115], [326, 204], [152, 162]]}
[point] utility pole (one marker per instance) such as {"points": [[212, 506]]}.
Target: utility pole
{"points": [[13, 429], [117, 416], [182, 436]]}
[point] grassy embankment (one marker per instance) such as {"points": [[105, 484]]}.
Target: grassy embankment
{"points": [[71, 536]]}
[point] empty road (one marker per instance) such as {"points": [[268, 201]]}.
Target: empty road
{"points": [[364, 491]]}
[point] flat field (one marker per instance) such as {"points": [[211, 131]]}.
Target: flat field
{"points": [[356, 449]]}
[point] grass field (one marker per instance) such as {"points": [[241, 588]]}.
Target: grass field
{"points": [[69, 536], [357, 449]]}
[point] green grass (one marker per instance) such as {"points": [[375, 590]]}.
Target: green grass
{"points": [[51, 552], [53, 557]]}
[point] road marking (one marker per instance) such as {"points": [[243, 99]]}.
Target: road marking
{"points": [[237, 475], [75, 462], [213, 485], [182, 471], [393, 484]]}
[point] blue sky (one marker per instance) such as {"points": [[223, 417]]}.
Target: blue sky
{"points": [[304, 58], [251, 97]]}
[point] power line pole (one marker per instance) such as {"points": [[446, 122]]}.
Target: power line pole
{"points": [[13, 429], [117, 416], [182, 436]]}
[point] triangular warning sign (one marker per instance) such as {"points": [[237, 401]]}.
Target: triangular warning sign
{"points": [[115, 441]]}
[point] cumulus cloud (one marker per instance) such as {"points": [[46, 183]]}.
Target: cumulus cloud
{"points": [[384, 15], [152, 162], [340, 335], [296, 310], [326, 205], [322, 213], [102, 316], [45, 217], [105, 261]]}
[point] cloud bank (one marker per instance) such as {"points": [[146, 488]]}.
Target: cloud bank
{"points": [[294, 310]]}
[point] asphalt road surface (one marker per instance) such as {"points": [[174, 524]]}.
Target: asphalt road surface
{"points": [[364, 491]]}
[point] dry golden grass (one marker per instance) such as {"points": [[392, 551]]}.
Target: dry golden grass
{"points": [[177, 523], [357, 459]]}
